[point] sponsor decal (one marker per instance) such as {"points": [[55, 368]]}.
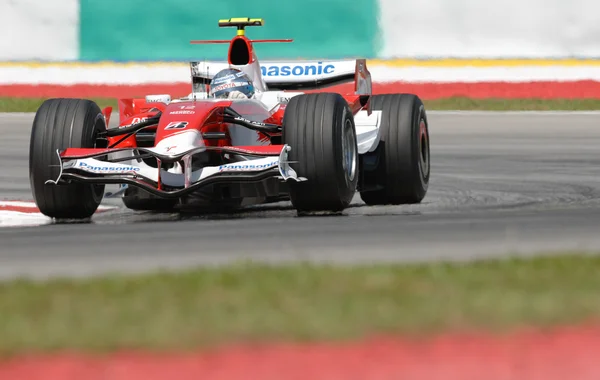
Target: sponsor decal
{"points": [[182, 112], [158, 98], [177, 125], [228, 77], [298, 70], [229, 85], [170, 148], [135, 120], [223, 79], [69, 164], [107, 168], [224, 86], [257, 123], [246, 166]]}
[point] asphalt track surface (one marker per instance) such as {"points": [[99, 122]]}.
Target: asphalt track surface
{"points": [[510, 183]]}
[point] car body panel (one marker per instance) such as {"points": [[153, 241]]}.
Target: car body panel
{"points": [[172, 147]]}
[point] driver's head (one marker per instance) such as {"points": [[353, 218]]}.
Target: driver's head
{"points": [[228, 81]]}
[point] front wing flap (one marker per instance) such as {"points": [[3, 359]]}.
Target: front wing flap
{"points": [[91, 168]]}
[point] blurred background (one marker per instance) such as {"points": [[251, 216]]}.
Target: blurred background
{"points": [[139, 30], [435, 48]]}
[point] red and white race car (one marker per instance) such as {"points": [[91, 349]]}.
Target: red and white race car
{"points": [[316, 149]]}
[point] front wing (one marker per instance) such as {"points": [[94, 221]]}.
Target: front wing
{"points": [[100, 166]]}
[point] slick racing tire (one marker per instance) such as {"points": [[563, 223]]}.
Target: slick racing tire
{"points": [[403, 168], [320, 130], [140, 200], [61, 124]]}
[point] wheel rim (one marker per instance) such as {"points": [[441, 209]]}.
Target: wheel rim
{"points": [[423, 149], [349, 150]]}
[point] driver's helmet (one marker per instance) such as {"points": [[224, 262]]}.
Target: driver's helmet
{"points": [[229, 80]]}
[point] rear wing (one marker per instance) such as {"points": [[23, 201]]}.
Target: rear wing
{"points": [[295, 75]]}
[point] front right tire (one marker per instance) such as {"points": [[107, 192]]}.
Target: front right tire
{"points": [[320, 130]]}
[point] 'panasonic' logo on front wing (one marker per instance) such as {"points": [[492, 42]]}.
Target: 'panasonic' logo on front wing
{"points": [[108, 169], [236, 167]]}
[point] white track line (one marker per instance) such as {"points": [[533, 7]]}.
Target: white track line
{"points": [[31, 204], [14, 218], [22, 219]]}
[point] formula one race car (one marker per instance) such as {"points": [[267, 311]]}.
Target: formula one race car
{"points": [[217, 149]]}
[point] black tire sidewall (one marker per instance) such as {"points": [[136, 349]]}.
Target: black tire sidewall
{"points": [[60, 124], [424, 165], [400, 171], [313, 128]]}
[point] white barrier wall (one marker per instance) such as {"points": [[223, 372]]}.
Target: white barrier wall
{"points": [[490, 29], [39, 29]]}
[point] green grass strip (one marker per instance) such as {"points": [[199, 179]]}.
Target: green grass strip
{"points": [[250, 302]]}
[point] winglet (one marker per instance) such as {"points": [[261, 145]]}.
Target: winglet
{"points": [[363, 85], [240, 23], [362, 78]]}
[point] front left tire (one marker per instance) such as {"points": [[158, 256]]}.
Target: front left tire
{"points": [[61, 124], [320, 130]]}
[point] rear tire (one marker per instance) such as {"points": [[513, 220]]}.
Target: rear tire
{"points": [[403, 169], [320, 130], [61, 124]]}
